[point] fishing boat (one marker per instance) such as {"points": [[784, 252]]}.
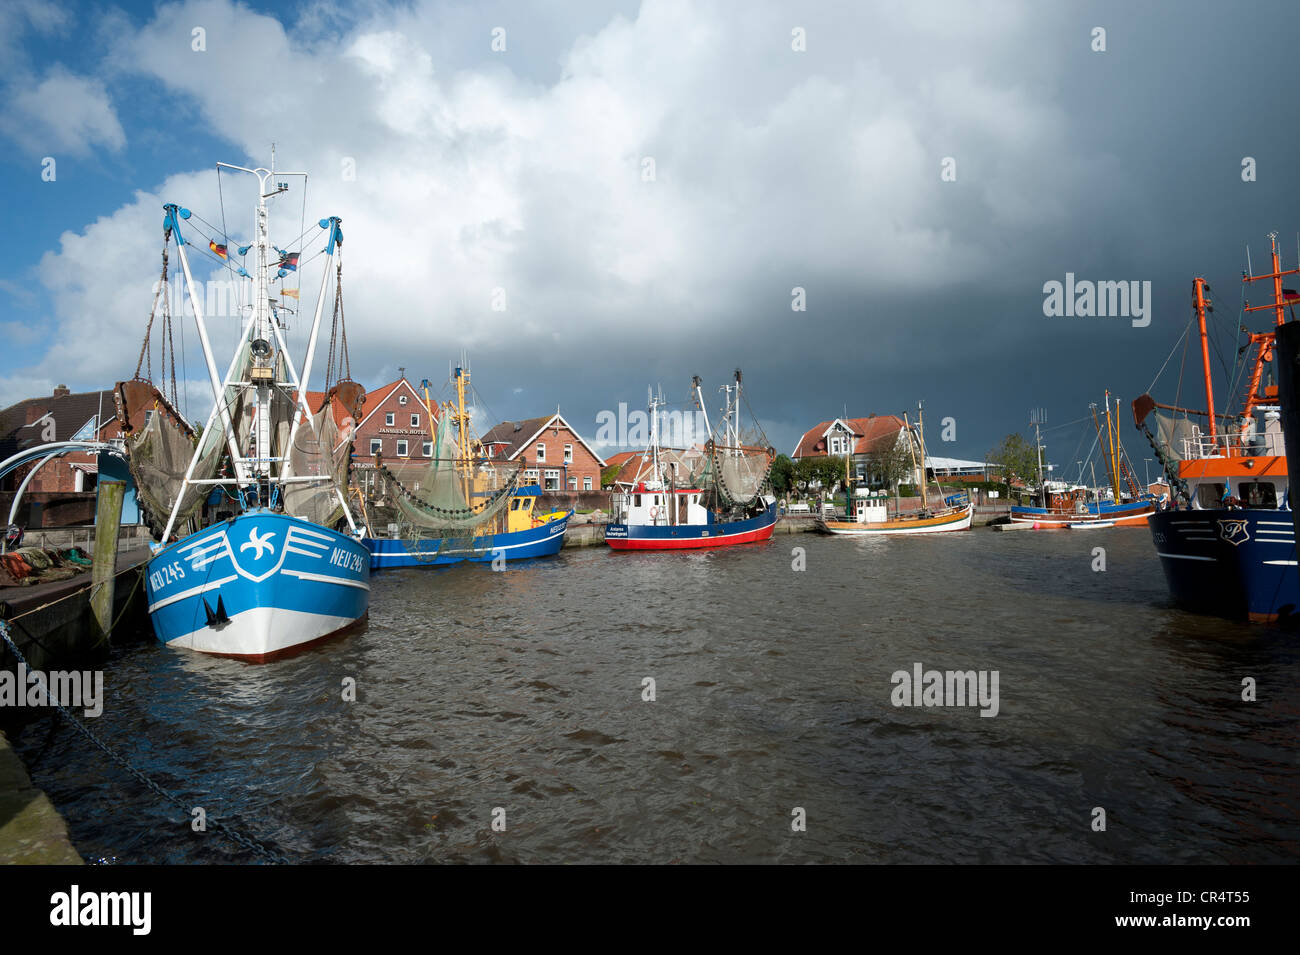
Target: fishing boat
{"points": [[870, 514], [1122, 504], [721, 503], [285, 566], [462, 505], [1227, 543]]}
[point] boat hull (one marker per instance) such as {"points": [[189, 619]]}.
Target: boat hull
{"points": [[544, 540], [1239, 564], [691, 536], [958, 521], [1123, 515], [257, 586]]}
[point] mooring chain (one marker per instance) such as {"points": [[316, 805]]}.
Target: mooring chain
{"points": [[253, 845]]}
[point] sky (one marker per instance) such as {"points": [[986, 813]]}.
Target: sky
{"points": [[588, 199]]}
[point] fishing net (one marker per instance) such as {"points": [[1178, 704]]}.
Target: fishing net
{"points": [[318, 450], [158, 457], [452, 495], [740, 475]]}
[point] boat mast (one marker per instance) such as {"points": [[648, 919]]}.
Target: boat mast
{"points": [[1112, 447], [1198, 286], [920, 434]]}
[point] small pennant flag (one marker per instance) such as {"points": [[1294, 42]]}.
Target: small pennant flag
{"points": [[288, 293], [289, 260], [219, 250]]}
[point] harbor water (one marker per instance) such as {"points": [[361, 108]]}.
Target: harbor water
{"points": [[518, 697]]}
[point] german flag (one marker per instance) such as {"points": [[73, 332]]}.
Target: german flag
{"points": [[218, 250], [289, 261]]}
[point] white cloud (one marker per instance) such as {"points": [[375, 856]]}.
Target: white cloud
{"points": [[773, 169], [62, 113]]}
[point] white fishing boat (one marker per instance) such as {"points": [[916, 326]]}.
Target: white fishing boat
{"points": [[287, 566]]}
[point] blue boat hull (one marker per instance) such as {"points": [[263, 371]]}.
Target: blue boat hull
{"points": [[256, 586], [1239, 564], [542, 541], [1025, 513]]}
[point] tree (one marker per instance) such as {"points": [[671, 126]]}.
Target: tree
{"points": [[890, 461], [829, 471], [805, 473], [783, 480], [1017, 459]]}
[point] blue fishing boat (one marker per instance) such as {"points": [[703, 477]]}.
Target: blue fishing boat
{"points": [[527, 535], [461, 504], [286, 566]]}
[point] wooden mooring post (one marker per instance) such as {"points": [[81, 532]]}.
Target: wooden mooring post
{"points": [[108, 521]]}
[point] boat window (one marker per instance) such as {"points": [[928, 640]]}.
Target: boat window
{"points": [[514, 505], [1209, 495], [1259, 494], [636, 500]]}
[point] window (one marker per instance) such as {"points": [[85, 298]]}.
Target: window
{"points": [[568, 454], [415, 421], [541, 454], [148, 415], [401, 448], [1209, 496], [376, 445], [390, 419], [427, 449], [573, 483], [1258, 494], [514, 505], [552, 480], [586, 483], [636, 500], [401, 400]]}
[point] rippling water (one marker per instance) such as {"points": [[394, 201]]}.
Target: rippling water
{"points": [[522, 690]]}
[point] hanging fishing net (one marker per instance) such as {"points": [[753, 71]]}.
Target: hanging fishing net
{"points": [[320, 451], [452, 495]]}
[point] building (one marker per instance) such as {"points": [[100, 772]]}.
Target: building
{"points": [[395, 424], [862, 438], [63, 490], [553, 454]]}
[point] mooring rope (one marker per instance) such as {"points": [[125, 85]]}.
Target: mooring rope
{"points": [[255, 846]]}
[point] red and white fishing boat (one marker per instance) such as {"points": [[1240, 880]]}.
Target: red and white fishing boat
{"points": [[720, 501]]}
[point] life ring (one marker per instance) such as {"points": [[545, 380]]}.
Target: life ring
{"points": [[654, 511]]}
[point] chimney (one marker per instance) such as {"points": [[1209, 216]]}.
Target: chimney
{"points": [[61, 391]]}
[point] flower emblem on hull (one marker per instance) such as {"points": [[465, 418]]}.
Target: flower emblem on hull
{"points": [[258, 543]]}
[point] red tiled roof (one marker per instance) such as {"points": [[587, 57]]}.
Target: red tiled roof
{"points": [[870, 433], [621, 458]]}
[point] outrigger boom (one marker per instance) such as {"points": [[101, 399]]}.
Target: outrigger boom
{"points": [[257, 334]]}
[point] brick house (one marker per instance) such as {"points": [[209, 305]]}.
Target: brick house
{"points": [[396, 423], [63, 490], [859, 437], [554, 455]]}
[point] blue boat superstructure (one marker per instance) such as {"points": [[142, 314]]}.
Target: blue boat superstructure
{"points": [[257, 585], [545, 540]]}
